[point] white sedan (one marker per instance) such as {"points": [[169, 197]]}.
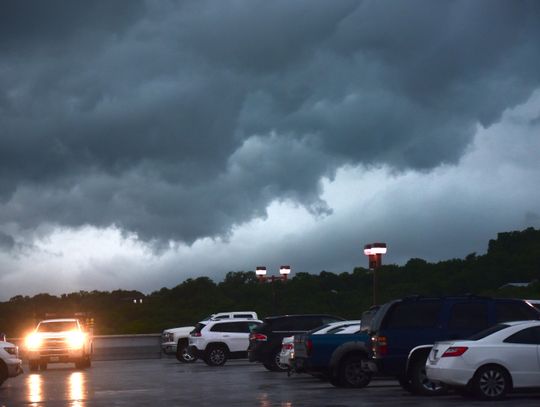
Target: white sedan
{"points": [[491, 363]]}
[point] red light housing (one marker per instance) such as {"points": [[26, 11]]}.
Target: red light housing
{"points": [[258, 337], [196, 334], [379, 345], [454, 351]]}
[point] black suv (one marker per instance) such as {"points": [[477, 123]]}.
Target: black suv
{"points": [[265, 340], [403, 331]]}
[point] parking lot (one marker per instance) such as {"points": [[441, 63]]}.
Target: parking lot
{"points": [[238, 383]]}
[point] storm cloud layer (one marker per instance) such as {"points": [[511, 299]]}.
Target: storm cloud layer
{"points": [[181, 120]]}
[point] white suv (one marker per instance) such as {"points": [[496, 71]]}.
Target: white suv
{"points": [[175, 341], [10, 364], [217, 341]]}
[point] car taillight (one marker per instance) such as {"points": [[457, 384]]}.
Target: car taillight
{"points": [[309, 346], [379, 345], [454, 351], [287, 346], [258, 337], [196, 334]]}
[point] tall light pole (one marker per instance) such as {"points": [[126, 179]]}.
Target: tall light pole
{"points": [[374, 251], [284, 271]]}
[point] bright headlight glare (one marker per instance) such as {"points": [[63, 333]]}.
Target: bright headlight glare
{"points": [[75, 340], [33, 341]]}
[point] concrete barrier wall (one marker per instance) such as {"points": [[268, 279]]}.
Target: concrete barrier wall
{"points": [[115, 347]]}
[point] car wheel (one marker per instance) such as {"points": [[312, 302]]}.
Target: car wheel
{"points": [[420, 383], [352, 374], [491, 383], [3, 372], [268, 366], [42, 365], [275, 362], [182, 353], [88, 361], [80, 364], [33, 365], [405, 383], [215, 356]]}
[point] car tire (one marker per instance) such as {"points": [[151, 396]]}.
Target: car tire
{"points": [[491, 382], [43, 366], [351, 373], [419, 382], [33, 365], [268, 366], [215, 355], [182, 353], [81, 363], [88, 361], [3, 372], [274, 363]]}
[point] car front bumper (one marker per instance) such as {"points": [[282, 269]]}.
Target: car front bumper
{"points": [[169, 348], [56, 355], [14, 367]]}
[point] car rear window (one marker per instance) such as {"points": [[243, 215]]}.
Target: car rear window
{"points": [[198, 328], [414, 314], [487, 332]]}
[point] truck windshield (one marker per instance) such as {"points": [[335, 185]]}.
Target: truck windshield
{"points": [[57, 326]]}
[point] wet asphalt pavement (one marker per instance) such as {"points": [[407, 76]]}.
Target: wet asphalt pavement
{"points": [[165, 382]]}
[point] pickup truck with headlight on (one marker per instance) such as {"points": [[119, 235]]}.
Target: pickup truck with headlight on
{"points": [[59, 341]]}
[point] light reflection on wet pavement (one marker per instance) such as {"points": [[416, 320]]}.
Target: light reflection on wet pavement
{"points": [[157, 382]]}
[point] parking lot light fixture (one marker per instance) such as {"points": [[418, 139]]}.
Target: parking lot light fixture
{"points": [[284, 271], [375, 251], [260, 272]]}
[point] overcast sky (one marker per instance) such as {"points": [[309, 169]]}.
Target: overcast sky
{"points": [[145, 142]]}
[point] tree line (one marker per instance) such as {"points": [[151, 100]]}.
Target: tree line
{"points": [[512, 257]]}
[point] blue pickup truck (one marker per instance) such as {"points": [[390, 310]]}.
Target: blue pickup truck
{"points": [[343, 359]]}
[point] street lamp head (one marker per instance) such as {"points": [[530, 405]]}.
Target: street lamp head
{"points": [[260, 271], [284, 270], [375, 248]]}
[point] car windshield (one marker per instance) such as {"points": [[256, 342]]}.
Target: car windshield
{"points": [[57, 326], [487, 332]]}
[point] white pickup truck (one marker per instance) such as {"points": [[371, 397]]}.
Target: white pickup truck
{"points": [[59, 341], [175, 341]]}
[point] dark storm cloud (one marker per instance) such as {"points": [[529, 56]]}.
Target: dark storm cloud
{"points": [[178, 120]]}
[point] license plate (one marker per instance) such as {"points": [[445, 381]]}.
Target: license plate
{"points": [[54, 358]]}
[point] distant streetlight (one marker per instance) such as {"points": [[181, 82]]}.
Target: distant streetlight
{"points": [[260, 272], [284, 271], [374, 251]]}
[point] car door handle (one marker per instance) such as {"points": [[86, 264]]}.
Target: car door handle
{"points": [[226, 336]]}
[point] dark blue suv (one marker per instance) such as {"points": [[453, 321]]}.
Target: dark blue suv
{"points": [[403, 331]]}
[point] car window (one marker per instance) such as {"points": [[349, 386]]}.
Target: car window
{"points": [[57, 326], [229, 327], [329, 320], [469, 316], [487, 332], [514, 311], [251, 326], [417, 314], [242, 316], [528, 336], [198, 328]]}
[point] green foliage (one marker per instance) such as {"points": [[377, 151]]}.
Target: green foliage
{"points": [[512, 257]]}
